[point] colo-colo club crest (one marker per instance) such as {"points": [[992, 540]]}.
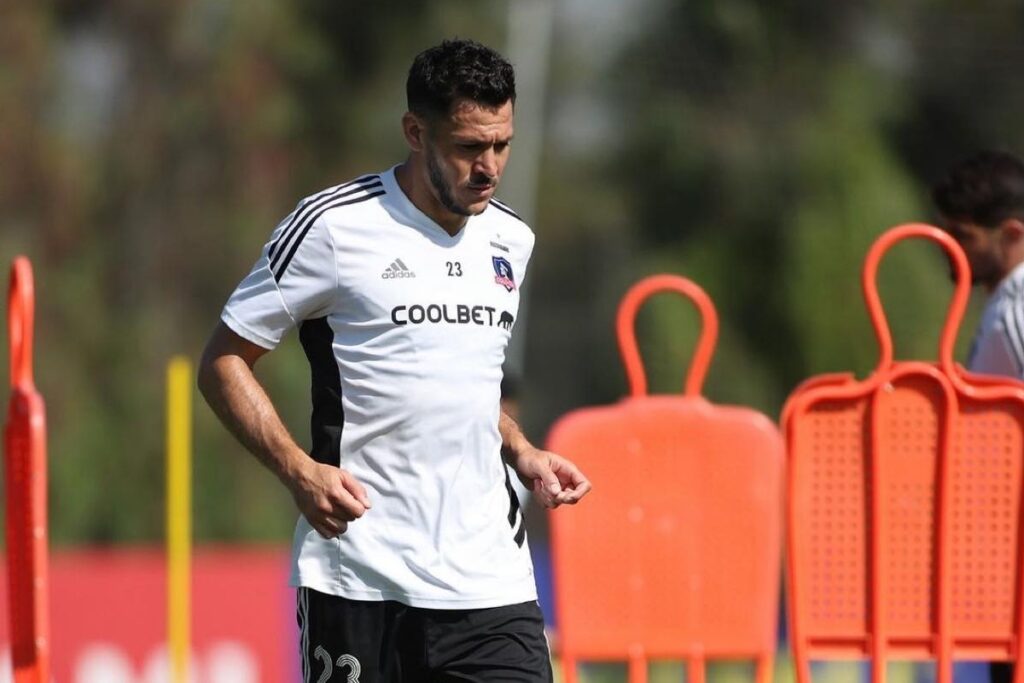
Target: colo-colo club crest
{"points": [[503, 272]]}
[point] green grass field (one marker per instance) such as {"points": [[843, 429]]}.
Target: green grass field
{"points": [[738, 672]]}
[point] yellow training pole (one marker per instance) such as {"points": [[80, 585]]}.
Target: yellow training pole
{"points": [[179, 513]]}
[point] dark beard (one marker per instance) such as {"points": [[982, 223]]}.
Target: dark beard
{"points": [[444, 191]]}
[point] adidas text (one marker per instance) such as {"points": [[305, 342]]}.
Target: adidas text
{"points": [[396, 270]]}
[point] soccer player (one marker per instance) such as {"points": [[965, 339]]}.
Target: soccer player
{"points": [[981, 202], [409, 554]]}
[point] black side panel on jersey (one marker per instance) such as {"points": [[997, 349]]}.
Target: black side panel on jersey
{"points": [[513, 510], [328, 417]]}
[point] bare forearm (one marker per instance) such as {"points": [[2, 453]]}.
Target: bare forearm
{"points": [[326, 495], [512, 440], [243, 406], [554, 479]]}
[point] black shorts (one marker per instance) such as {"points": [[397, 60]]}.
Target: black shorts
{"points": [[355, 641]]}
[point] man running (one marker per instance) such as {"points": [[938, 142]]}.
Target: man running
{"points": [[410, 553]]}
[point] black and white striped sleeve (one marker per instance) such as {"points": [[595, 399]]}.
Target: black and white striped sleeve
{"points": [[293, 280], [999, 348], [1013, 334]]}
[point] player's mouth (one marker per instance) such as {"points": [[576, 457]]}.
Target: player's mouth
{"points": [[481, 190]]}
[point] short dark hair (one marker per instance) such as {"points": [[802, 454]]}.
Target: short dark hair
{"points": [[984, 189], [458, 69]]}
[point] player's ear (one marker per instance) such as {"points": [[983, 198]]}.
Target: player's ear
{"points": [[415, 131], [1012, 230]]}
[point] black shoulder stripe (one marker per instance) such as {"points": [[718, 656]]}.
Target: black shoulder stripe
{"points": [[501, 207], [279, 272], [311, 203], [302, 226], [302, 210], [299, 218]]}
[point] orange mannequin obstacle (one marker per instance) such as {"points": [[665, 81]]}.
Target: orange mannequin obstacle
{"points": [[25, 484], [905, 503], [676, 553]]}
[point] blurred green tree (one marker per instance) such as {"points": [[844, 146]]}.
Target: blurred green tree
{"points": [[148, 150]]}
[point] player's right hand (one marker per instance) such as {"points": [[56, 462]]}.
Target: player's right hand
{"points": [[329, 498]]}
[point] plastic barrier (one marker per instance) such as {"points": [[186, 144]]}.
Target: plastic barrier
{"points": [[25, 491], [905, 503], [675, 554]]}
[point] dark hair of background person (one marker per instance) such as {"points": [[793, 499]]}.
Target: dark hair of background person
{"points": [[983, 190], [458, 69]]}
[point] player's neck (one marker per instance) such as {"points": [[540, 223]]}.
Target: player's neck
{"points": [[417, 190], [1012, 262]]}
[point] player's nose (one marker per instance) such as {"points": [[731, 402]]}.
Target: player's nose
{"points": [[487, 164]]}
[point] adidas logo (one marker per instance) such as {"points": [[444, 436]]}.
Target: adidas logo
{"points": [[396, 270]]}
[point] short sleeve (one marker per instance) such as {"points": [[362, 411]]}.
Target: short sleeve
{"points": [[1000, 349], [524, 257], [294, 280]]}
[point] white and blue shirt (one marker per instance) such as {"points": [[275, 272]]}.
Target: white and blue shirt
{"points": [[998, 345]]}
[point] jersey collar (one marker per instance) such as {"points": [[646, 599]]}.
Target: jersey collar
{"points": [[412, 214]]}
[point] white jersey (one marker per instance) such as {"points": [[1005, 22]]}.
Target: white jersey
{"points": [[405, 328], [998, 345]]}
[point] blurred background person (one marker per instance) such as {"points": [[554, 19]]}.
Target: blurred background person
{"points": [[981, 204]]}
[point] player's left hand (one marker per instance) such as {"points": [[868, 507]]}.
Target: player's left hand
{"points": [[554, 479]]}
